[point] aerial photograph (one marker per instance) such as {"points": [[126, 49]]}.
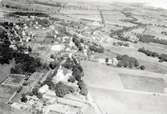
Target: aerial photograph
{"points": [[83, 56]]}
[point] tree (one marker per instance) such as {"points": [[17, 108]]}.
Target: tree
{"points": [[61, 89], [23, 98], [136, 63], [83, 88], [83, 91], [77, 73], [71, 79], [142, 67], [36, 92], [17, 69], [53, 64], [29, 49], [107, 60], [68, 63], [163, 57], [96, 48], [126, 61]]}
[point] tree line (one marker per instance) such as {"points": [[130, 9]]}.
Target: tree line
{"points": [[161, 57], [151, 38]]}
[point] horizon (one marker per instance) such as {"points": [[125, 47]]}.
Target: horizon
{"points": [[151, 3]]}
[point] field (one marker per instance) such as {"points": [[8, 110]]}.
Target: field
{"points": [[151, 63], [123, 91], [147, 84], [123, 102], [6, 92], [14, 80]]}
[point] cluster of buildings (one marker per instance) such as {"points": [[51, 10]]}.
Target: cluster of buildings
{"points": [[50, 103], [108, 61], [58, 36]]}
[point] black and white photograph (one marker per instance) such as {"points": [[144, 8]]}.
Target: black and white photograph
{"points": [[83, 56]]}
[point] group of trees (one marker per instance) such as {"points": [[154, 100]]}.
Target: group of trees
{"points": [[148, 52], [35, 91], [161, 57], [62, 89], [83, 88], [28, 14], [5, 51], [164, 32], [130, 62], [150, 38], [121, 44], [77, 42], [25, 63], [96, 48], [77, 74], [74, 65], [92, 46]]}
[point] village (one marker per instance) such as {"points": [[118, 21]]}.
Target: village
{"points": [[74, 58]]}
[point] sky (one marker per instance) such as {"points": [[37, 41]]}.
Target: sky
{"points": [[153, 3]]}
